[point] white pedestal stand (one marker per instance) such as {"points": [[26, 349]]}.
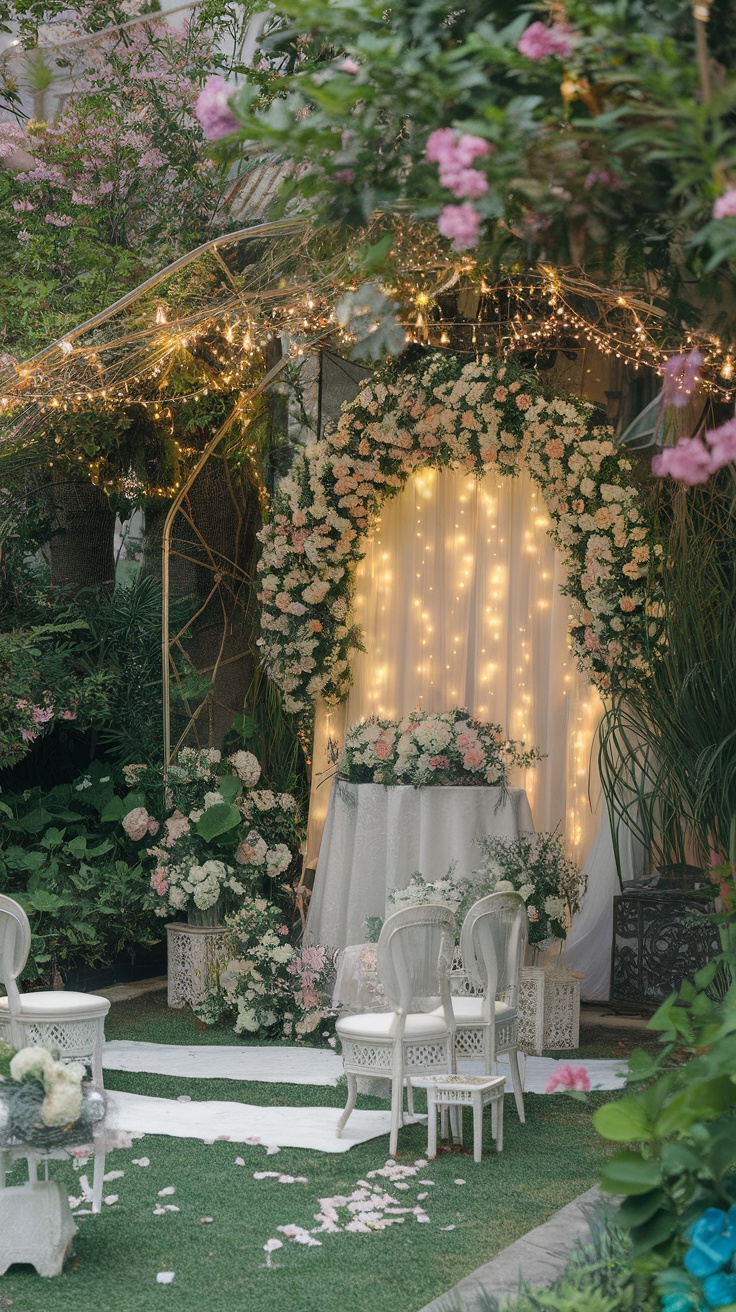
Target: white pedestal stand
{"points": [[195, 958]]}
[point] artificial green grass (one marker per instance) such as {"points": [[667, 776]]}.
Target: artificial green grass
{"points": [[221, 1266]]}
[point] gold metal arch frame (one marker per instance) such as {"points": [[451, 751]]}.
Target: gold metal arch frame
{"points": [[229, 580]]}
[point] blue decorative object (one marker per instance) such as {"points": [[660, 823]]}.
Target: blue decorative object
{"points": [[720, 1290], [712, 1242]]}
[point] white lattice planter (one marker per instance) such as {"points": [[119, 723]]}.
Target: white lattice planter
{"points": [[561, 1007], [195, 957]]}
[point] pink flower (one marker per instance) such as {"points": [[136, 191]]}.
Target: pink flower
{"points": [[382, 749], [469, 148], [153, 825], [69, 715], [568, 1077], [725, 206], [689, 461], [600, 176], [136, 823], [439, 762], [722, 443], [42, 714], [539, 42], [532, 914], [680, 378], [440, 145], [461, 224], [213, 110], [474, 758], [349, 66], [464, 182]]}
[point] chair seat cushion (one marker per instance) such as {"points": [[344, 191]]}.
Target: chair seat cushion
{"points": [[469, 1011], [58, 1004], [379, 1025]]}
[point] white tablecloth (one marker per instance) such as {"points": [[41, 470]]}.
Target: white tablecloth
{"points": [[375, 838]]}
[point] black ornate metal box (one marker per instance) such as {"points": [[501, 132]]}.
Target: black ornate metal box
{"points": [[660, 938]]}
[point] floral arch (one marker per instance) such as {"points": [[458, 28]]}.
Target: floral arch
{"points": [[480, 416]]}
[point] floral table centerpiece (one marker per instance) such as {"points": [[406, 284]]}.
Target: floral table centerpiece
{"points": [[534, 865], [448, 748], [45, 1103]]}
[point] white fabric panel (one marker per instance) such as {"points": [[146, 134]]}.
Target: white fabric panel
{"points": [[282, 1127], [376, 838], [459, 600], [214, 1061]]}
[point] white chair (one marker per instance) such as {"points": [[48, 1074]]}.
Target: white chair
{"points": [[492, 943], [414, 959], [74, 1023]]}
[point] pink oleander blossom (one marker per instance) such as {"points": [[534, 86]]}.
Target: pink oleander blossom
{"points": [[689, 462], [680, 378], [725, 205], [541, 42], [212, 109], [722, 443], [568, 1078], [461, 225]]}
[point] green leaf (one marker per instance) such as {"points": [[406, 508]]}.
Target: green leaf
{"points": [[114, 810], [624, 1121], [229, 787], [637, 1208], [218, 819], [36, 820], [77, 846], [629, 1173]]}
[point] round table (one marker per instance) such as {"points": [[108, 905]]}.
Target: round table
{"points": [[377, 837]]}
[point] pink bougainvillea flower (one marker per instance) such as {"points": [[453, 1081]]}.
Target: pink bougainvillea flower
{"points": [[722, 443], [212, 109], [680, 378], [689, 461], [725, 205], [539, 42], [567, 1078], [461, 224]]}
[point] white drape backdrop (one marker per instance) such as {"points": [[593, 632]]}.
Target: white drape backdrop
{"points": [[459, 600]]}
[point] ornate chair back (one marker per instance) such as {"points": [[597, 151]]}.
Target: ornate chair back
{"points": [[492, 943], [15, 944], [415, 958]]}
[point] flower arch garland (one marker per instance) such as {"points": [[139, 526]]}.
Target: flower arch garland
{"points": [[479, 416]]}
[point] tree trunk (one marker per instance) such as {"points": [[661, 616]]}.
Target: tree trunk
{"points": [[83, 548]]}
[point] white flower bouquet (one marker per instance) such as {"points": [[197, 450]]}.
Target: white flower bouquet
{"points": [[449, 748], [44, 1102], [269, 985], [536, 866]]}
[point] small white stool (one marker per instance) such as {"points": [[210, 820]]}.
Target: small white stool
{"points": [[458, 1091]]}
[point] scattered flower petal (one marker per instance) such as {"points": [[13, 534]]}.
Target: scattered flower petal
{"points": [[141, 1161], [170, 1189], [164, 1277]]}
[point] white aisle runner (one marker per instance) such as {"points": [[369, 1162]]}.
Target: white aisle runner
{"points": [[274, 1127], [286, 1065]]}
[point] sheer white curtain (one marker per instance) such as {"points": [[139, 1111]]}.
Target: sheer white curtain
{"points": [[459, 600]]}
